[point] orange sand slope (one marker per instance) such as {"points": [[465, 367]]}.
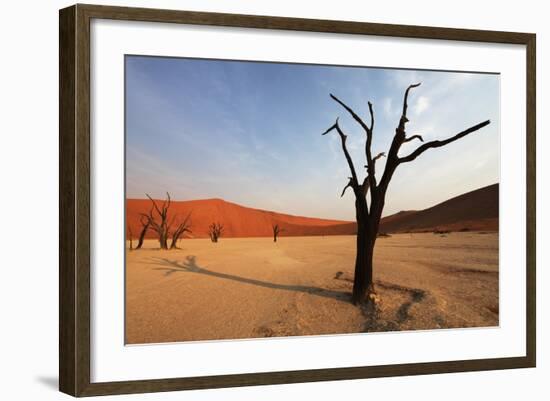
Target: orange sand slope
{"points": [[474, 211], [238, 221]]}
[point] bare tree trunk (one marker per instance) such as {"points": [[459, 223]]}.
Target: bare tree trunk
{"points": [[361, 264], [362, 281], [364, 252], [181, 228], [276, 231], [145, 227], [130, 237], [163, 241]]}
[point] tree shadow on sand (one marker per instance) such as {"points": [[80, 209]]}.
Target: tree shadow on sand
{"points": [[190, 266]]}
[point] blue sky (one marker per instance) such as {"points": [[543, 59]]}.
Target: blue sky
{"points": [[250, 133]]}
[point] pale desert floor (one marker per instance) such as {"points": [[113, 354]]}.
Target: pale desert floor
{"points": [[252, 287]]}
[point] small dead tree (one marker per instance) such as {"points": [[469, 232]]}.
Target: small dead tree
{"points": [[145, 223], [215, 231], [184, 226], [276, 231], [130, 238], [368, 214]]}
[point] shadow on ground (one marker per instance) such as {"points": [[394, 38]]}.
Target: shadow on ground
{"points": [[189, 265], [381, 318]]}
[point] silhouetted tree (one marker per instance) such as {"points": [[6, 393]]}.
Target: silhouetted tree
{"points": [[144, 227], [215, 230], [157, 220], [160, 226], [276, 231], [368, 214], [184, 226]]}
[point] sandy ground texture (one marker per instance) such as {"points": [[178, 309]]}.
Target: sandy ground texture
{"points": [[252, 287]]}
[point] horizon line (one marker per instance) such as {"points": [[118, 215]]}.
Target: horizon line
{"points": [[310, 217]]}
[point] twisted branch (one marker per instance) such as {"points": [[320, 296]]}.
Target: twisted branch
{"points": [[351, 112], [437, 144], [349, 184], [419, 137], [368, 131], [343, 138]]}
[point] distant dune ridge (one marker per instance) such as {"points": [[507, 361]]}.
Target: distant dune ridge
{"points": [[476, 210]]}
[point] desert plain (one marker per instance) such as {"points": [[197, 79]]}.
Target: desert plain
{"points": [[301, 285]]}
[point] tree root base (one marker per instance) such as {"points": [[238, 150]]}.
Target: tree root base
{"points": [[370, 297]]}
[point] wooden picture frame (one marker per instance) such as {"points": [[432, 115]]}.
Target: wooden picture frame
{"points": [[74, 199]]}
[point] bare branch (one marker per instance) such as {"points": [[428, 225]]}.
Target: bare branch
{"points": [[154, 204], [343, 137], [398, 139], [167, 203], [351, 112], [333, 126], [368, 154], [437, 144], [414, 137], [277, 229], [349, 184], [370, 179], [379, 155], [151, 221], [366, 185], [147, 218], [186, 221], [405, 100], [170, 223], [368, 131], [371, 117], [367, 182], [143, 215], [182, 228], [144, 227]]}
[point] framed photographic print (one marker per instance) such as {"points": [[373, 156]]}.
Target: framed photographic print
{"points": [[251, 200]]}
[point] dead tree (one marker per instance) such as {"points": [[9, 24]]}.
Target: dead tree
{"points": [[157, 220], [144, 227], [276, 231], [215, 231], [368, 214], [184, 226], [160, 225], [130, 238]]}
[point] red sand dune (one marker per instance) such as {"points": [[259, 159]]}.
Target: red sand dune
{"points": [[238, 221], [476, 210], [473, 211]]}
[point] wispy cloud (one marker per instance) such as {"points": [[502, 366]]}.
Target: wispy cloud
{"points": [[388, 107], [421, 105]]}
